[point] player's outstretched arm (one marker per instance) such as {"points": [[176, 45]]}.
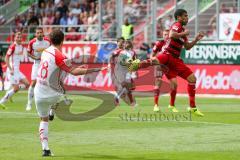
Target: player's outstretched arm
{"points": [[33, 57], [81, 71], [30, 51], [153, 54], [189, 45], [110, 60], [8, 64]]}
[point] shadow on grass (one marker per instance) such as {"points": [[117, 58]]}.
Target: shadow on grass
{"points": [[99, 157]]}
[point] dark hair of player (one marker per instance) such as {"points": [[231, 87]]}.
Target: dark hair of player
{"points": [[39, 28], [120, 39], [166, 30], [179, 12], [56, 37], [18, 33], [128, 44]]}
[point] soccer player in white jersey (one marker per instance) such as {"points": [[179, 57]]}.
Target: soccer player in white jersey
{"points": [[35, 48], [48, 89], [113, 60], [15, 76], [124, 82]]}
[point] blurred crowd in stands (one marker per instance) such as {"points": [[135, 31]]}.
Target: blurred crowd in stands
{"points": [[80, 12], [2, 19], [2, 2], [58, 12], [86, 14], [133, 10], [212, 32]]}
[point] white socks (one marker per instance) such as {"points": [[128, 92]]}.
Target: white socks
{"points": [[30, 95], [119, 94], [8, 94], [43, 133]]}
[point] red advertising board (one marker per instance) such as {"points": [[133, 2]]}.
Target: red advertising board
{"points": [[214, 79], [211, 79], [81, 52]]}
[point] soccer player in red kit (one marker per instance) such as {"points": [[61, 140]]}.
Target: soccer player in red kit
{"points": [[170, 56], [158, 73]]}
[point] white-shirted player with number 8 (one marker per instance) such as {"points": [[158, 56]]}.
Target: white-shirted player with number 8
{"points": [[48, 89]]}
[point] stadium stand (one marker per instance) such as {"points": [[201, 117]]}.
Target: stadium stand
{"points": [[67, 13], [81, 18], [2, 2]]}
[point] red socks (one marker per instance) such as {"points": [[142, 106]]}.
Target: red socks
{"points": [[156, 95], [191, 93], [173, 97]]}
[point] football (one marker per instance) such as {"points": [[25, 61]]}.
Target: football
{"points": [[125, 59]]}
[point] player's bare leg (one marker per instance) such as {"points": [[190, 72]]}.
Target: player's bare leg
{"points": [[2, 80], [191, 93], [25, 82], [63, 102], [30, 95], [11, 98], [9, 94], [131, 98], [173, 92], [118, 95], [129, 87], [126, 89]]}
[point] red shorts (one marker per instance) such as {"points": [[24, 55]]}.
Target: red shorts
{"points": [[176, 66]]}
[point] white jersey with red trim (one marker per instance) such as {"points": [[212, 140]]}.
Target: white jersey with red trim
{"points": [[120, 71], [36, 47], [49, 80], [15, 53]]}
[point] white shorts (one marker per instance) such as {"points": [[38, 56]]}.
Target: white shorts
{"points": [[43, 105], [34, 71], [16, 77]]}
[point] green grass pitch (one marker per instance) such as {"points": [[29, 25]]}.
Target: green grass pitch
{"points": [[215, 136]]}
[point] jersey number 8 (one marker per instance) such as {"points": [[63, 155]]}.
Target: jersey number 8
{"points": [[44, 70]]}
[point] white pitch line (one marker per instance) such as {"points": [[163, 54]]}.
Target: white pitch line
{"points": [[203, 122], [22, 113]]}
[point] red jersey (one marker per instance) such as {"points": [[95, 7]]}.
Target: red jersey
{"points": [[174, 46], [158, 46]]}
